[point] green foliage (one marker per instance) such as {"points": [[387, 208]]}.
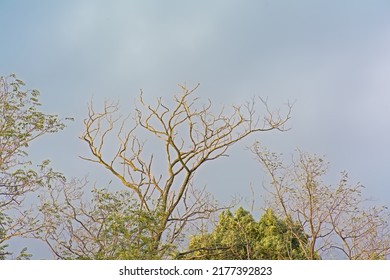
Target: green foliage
{"points": [[239, 236], [3, 252], [111, 226], [21, 122], [128, 232], [24, 255], [281, 238]]}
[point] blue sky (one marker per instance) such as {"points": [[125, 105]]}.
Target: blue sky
{"points": [[331, 57]]}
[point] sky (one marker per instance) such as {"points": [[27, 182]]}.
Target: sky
{"points": [[331, 58]]}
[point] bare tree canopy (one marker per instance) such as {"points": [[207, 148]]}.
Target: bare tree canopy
{"points": [[337, 219], [190, 134]]}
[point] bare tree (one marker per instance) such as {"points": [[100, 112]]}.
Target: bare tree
{"points": [[363, 233], [190, 135], [337, 220]]}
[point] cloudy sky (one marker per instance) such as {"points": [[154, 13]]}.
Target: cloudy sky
{"points": [[332, 58]]}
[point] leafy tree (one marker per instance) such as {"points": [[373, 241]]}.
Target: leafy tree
{"points": [[239, 236], [338, 221], [21, 122]]}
